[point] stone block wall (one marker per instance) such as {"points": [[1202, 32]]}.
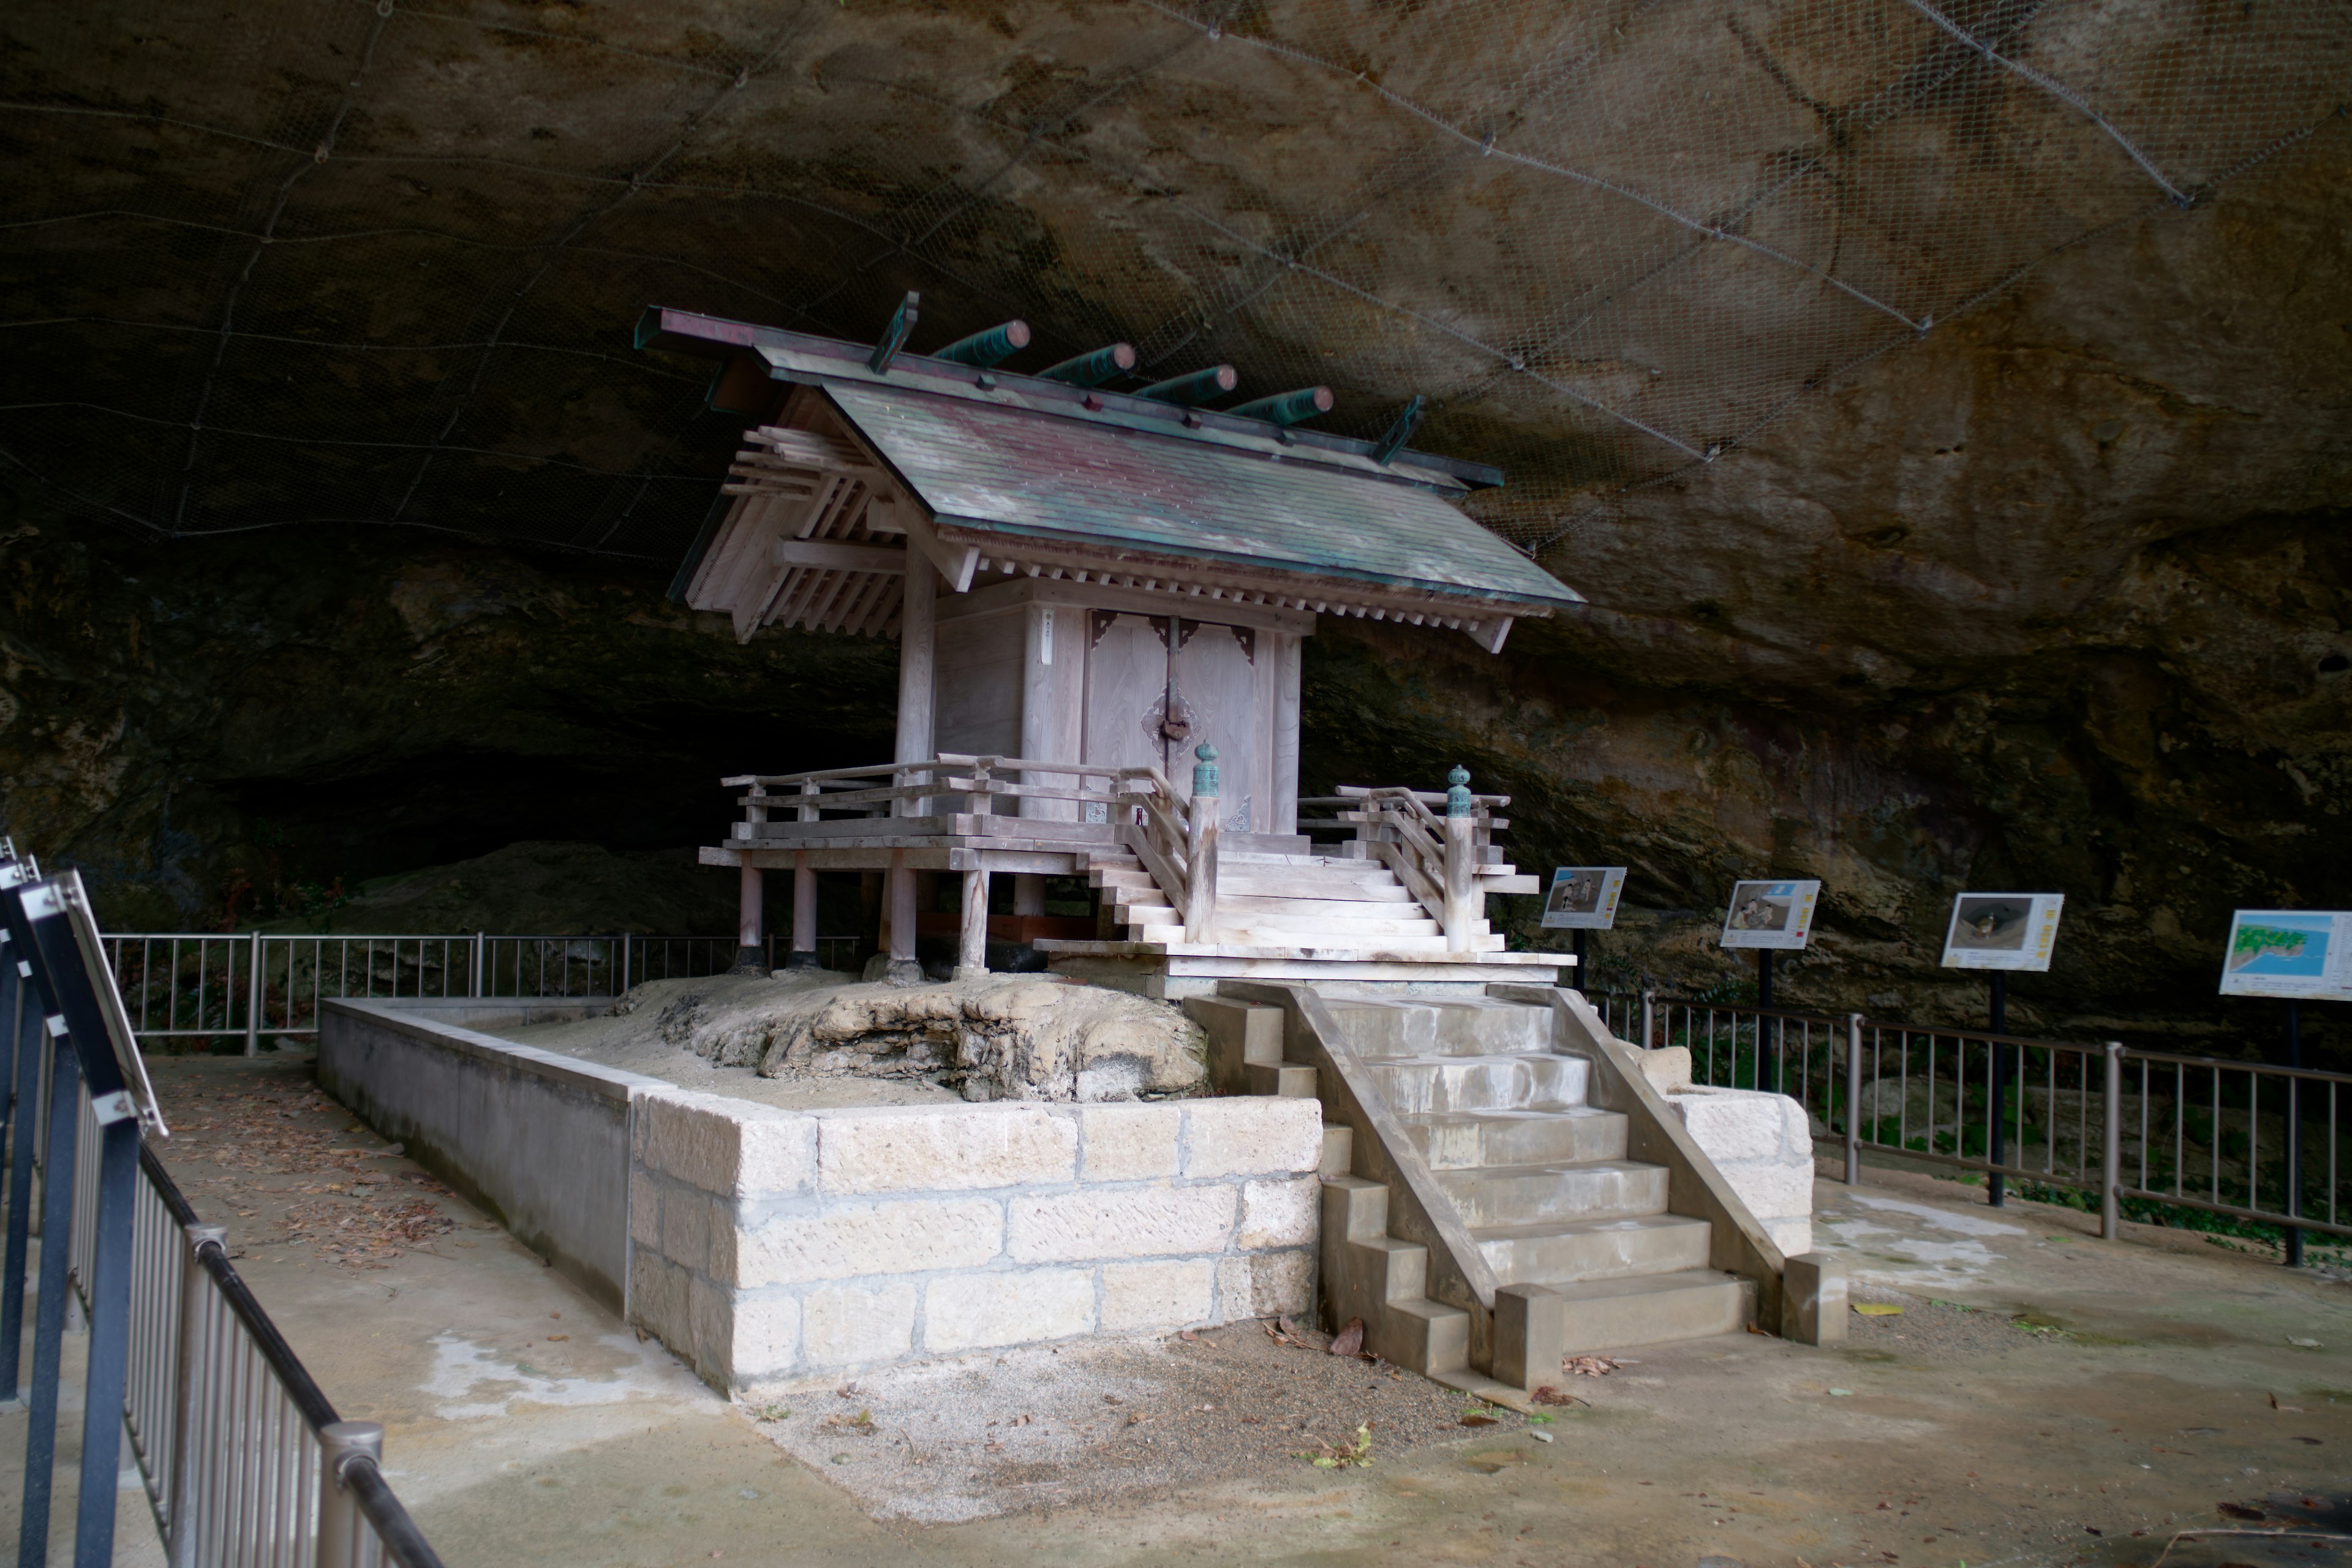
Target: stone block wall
{"points": [[1764, 1147], [770, 1244]]}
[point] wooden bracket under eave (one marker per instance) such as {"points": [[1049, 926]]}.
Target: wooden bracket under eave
{"points": [[956, 562], [1489, 635]]}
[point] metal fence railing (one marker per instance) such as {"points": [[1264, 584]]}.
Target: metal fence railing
{"points": [[242, 1458], [258, 985], [2249, 1140]]}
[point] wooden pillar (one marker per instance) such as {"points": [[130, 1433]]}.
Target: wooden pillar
{"points": [[918, 642], [1464, 903], [1284, 815], [1028, 893], [1201, 848], [803, 951], [905, 970], [972, 932], [751, 900], [751, 914]]}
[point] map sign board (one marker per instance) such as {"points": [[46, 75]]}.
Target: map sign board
{"points": [[1583, 898], [2002, 930], [1771, 914], [2302, 954]]}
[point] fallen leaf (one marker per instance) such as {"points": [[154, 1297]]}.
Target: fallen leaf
{"points": [[2238, 1510], [1478, 1421], [1841, 1392], [2290, 1409], [1877, 1310], [1547, 1395], [2302, 1344], [1349, 1339], [1333, 1457], [1187, 1336], [2313, 1441], [1589, 1365], [552, 1338]]}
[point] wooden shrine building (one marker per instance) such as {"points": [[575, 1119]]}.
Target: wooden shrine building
{"points": [[1100, 598]]}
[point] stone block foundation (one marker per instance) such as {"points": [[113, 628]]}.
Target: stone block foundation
{"points": [[768, 1245]]}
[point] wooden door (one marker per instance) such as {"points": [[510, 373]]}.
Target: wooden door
{"points": [[1126, 689], [1214, 690]]}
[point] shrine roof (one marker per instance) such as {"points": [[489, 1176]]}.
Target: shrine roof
{"points": [[996, 455]]}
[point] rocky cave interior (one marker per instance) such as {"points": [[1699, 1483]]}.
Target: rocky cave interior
{"points": [[1958, 474]]}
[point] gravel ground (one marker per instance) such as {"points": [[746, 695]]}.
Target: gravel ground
{"points": [[1042, 1428], [1931, 1330]]}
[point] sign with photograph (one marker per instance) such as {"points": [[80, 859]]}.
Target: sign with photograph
{"points": [[1583, 898], [1771, 914], [2002, 930], [2302, 954]]}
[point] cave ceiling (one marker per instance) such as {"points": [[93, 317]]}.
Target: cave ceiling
{"points": [[1943, 406]]}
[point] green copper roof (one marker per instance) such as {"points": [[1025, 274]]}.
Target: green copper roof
{"points": [[1040, 475]]}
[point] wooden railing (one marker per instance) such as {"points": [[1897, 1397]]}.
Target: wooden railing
{"points": [[1175, 841], [1437, 844]]}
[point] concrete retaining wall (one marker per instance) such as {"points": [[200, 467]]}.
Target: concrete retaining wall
{"points": [[538, 1139], [764, 1244]]}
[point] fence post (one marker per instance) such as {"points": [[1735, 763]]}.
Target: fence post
{"points": [[339, 1512], [192, 1384], [1649, 1017], [1854, 1099], [2111, 1153], [475, 963], [253, 996]]}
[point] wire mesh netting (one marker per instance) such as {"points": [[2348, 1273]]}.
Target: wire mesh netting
{"points": [[365, 261]]}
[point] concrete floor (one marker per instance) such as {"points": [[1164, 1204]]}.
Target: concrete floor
{"points": [[2152, 1381]]}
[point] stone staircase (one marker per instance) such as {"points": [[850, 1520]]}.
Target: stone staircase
{"points": [[1502, 1152]]}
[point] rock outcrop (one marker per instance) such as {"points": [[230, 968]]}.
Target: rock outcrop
{"points": [[1004, 1038]]}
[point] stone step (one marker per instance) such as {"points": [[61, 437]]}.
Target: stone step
{"points": [[1380, 1027], [1377, 882], [1369, 919], [1256, 904], [1336, 938], [1594, 1248], [1284, 1079], [1652, 1309], [1425, 1086], [1338, 1151], [1517, 1137], [1523, 1195]]}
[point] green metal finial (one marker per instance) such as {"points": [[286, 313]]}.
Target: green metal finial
{"points": [[1204, 771], [1457, 793]]}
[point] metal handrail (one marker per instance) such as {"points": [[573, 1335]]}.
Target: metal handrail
{"points": [[2247, 1140], [242, 1455]]}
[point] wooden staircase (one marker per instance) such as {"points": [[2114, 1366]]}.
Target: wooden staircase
{"points": [[1275, 894]]}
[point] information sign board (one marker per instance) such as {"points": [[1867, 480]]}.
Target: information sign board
{"points": [[2002, 930], [2302, 954], [1583, 898], [1775, 915]]}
